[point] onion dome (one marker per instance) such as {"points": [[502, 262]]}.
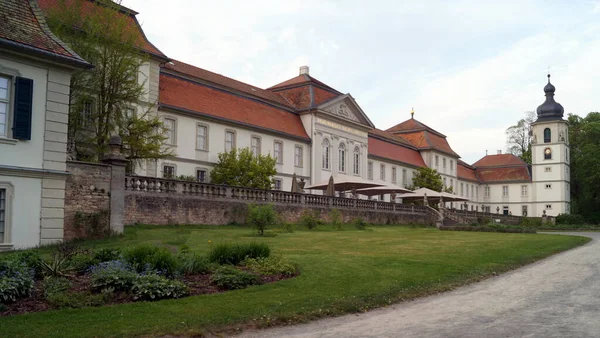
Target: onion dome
{"points": [[550, 110]]}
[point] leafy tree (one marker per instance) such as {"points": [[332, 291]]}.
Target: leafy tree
{"points": [[428, 178], [518, 137], [584, 134], [240, 167], [261, 217], [101, 98]]}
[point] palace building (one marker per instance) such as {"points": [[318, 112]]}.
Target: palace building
{"points": [[315, 131]]}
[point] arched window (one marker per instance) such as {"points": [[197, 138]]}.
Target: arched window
{"points": [[356, 164], [342, 158], [326, 155], [547, 135]]}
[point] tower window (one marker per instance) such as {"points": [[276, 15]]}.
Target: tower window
{"points": [[547, 135]]}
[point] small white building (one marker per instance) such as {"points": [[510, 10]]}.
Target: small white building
{"points": [[35, 72]]}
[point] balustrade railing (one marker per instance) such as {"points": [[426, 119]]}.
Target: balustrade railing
{"points": [[171, 186]]}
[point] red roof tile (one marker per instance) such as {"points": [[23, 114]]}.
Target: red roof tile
{"points": [[89, 6], [490, 175], [303, 79], [428, 140], [299, 97], [203, 74], [394, 152], [389, 136], [410, 124], [499, 160], [321, 95], [23, 24], [202, 99], [465, 172]]}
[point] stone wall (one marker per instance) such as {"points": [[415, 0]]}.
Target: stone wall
{"points": [[163, 209], [87, 199]]}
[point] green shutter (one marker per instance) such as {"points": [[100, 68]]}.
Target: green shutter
{"points": [[23, 108]]}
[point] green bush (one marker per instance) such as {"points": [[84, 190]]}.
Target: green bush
{"points": [[61, 264], [16, 281], [309, 219], [534, 222], [261, 217], [53, 285], [151, 258], [193, 264], [31, 259], [76, 300], [235, 253], [112, 276], [359, 223], [288, 227], [82, 263], [571, 219], [106, 255], [230, 278], [272, 265], [335, 217], [155, 287]]}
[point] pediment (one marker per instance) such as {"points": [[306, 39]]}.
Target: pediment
{"points": [[345, 107]]}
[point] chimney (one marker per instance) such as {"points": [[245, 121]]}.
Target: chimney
{"points": [[304, 70], [499, 152]]}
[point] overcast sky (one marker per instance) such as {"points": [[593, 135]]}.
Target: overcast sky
{"points": [[470, 69]]}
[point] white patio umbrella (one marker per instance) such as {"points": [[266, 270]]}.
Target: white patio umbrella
{"points": [[384, 189]]}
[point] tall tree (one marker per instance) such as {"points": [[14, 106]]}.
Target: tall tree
{"points": [[241, 168], [428, 178], [103, 99], [518, 137]]}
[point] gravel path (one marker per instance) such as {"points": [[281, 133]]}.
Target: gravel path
{"points": [[555, 297]]}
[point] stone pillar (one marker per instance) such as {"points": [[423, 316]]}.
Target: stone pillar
{"points": [[118, 163]]}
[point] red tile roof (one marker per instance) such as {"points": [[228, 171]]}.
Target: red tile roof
{"points": [[22, 24], [304, 91], [466, 172], [499, 160], [389, 136], [201, 99], [394, 152], [203, 74], [321, 95], [90, 6], [428, 140], [491, 175], [303, 79], [299, 97]]}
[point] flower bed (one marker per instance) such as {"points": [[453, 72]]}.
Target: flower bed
{"points": [[74, 278]]}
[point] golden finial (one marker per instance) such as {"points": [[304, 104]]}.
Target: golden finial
{"points": [[412, 113]]}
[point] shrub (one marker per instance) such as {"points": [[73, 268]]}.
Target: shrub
{"points": [[155, 287], [230, 278], [288, 227], [76, 300], [61, 263], [82, 263], [106, 255], [31, 259], [261, 217], [235, 253], [359, 223], [272, 265], [531, 222], [309, 219], [151, 258], [193, 264], [113, 275], [571, 219], [55, 285], [335, 217], [16, 281]]}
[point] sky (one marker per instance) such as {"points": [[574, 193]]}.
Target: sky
{"points": [[470, 69]]}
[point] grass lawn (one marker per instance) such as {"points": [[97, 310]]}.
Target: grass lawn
{"points": [[341, 272]]}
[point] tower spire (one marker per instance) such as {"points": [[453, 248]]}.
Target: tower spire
{"points": [[412, 113]]}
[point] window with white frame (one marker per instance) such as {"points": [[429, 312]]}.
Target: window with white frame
{"points": [[462, 189], [3, 212], [201, 175], [201, 137], [342, 158], [467, 190], [477, 192], [505, 191], [4, 105], [277, 184], [168, 171], [523, 190], [382, 172], [278, 151], [87, 115], [472, 190], [171, 130], [451, 166], [298, 156], [326, 155], [444, 163], [451, 186], [394, 175], [370, 170], [437, 161], [486, 191], [404, 178], [444, 182], [356, 161], [255, 145], [229, 140]]}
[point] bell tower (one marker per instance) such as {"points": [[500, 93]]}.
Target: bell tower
{"points": [[550, 158]]}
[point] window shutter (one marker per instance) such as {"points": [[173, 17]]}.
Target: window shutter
{"points": [[23, 108]]}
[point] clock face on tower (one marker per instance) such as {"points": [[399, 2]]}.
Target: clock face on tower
{"points": [[547, 153]]}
